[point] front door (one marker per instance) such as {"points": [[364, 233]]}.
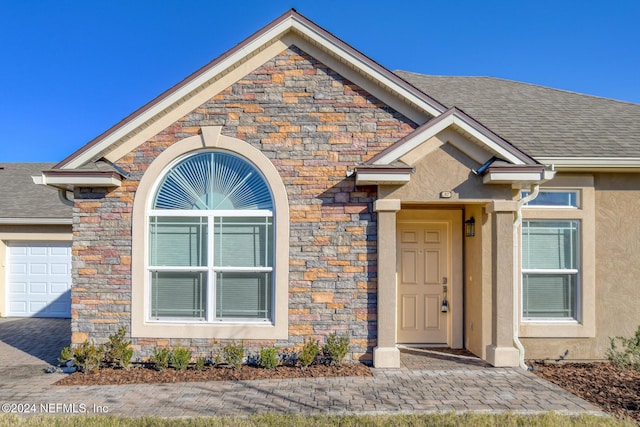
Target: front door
{"points": [[423, 282]]}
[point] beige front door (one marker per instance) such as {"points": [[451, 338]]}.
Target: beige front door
{"points": [[423, 282]]}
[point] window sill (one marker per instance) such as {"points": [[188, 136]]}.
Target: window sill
{"points": [[551, 321], [164, 329], [555, 329]]}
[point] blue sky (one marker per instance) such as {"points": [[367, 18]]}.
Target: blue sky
{"points": [[72, 69]]}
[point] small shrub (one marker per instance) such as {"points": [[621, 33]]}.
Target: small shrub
{"points": [[628, 356], [309, 353], [180, 358], [269, 357], [87, 357], [160, 358], [200, 362], [233, 354], [66, 355], [336, 348], [117, 351], [216, 360]]}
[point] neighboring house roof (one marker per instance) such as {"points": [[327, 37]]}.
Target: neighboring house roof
{"points": [[24, 202], [541, 121]]}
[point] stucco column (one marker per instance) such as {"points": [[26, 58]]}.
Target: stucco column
{"points": [[386, 354], [501, 351]]}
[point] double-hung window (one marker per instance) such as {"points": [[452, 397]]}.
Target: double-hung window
{"points": [[550, 269], [211, 242], [551, 259]]}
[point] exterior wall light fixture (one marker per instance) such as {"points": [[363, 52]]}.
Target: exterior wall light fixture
{"points": [[470, 227]]}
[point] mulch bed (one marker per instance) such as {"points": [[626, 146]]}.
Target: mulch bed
{"points": [[144, 375], [615, 390]]}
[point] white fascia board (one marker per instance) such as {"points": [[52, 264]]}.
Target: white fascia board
{"points": [[508, 177], [226, 63], [493, 146], [179, 94], [36, 221], [91, 181], [381, 178], [591, 162], [415, 141], [432, 131]]}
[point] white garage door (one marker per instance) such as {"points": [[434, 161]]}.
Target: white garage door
{"points": [[39, 279]]}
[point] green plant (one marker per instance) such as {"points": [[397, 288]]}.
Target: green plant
{"points": [[200, 362], [336, 348], [628, 356], [117, 351], [233, 354], [269, 357], [309, 353], [87, 356], [180, 358], [216, 359], [160, 358], [66, 354]]}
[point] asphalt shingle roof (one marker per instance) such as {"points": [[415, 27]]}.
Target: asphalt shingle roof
{"points": [[21, 198], [541, 121]]}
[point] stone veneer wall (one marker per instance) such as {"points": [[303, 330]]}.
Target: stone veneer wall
{"points": [[314, 125]]}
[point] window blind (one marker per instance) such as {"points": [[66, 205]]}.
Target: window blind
{"points": [[178, 294], [243, 242], [178, 241], [244, 295], [549, 295], [549, 245]]}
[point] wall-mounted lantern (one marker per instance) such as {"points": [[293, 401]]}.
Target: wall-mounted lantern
{"points": [[470, 227]]}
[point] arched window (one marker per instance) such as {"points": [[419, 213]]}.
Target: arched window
{"points": [[211, 242]]}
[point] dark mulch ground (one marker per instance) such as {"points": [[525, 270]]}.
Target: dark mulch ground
{"points": [[615, 390], [143, 375]]}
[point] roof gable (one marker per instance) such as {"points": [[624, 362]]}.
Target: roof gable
{"points": [[499, 162], [289, 29], [487, 143]]}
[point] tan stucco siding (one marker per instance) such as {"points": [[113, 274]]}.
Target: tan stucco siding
{"points": [[617, 292], [445, 169], [617, 256], [477, 253]]}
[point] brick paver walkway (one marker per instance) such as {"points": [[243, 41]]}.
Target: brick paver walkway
{"points": [[426, 383]]}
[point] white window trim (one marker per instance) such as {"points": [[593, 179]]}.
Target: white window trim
{"points": [[585, 325], [141, 326]]}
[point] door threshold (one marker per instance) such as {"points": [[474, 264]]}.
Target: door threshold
{"points": [[432, 349], [410, 346]]}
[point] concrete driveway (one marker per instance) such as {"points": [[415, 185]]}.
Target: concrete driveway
{"points": [[426, 383]]}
